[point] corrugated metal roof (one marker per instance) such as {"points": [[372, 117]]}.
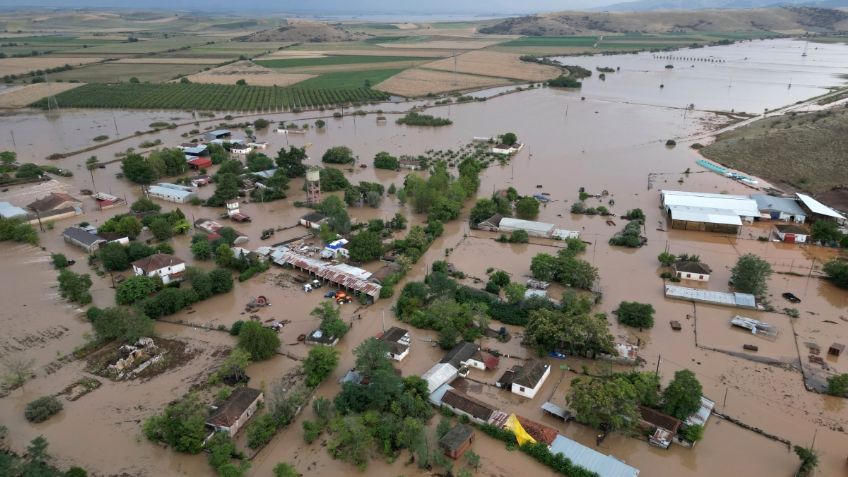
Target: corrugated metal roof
{"points": [[818, 208], [8, 211], [169, 192], [731, 204], [743, 300], [508, 224], [341, 275], [603, 465], [786, 205], [438, 375], [697, 214]]}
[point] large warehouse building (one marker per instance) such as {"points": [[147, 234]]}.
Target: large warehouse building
{"points": [[704, 212]]}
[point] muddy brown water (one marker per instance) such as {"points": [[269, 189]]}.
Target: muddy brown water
{"points": [[599, 144]]}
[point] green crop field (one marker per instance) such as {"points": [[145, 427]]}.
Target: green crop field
{"points": [[229, 49], [211, 97], [336, 60], [348, 79], [118, 72], [148, 46], [47, 44]]}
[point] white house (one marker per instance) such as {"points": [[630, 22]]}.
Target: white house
{"points": [[688, 270], [466, 354], [397, 341], [791, 233], [167, 267], [507, 150], [313, 220], [258, 145], [241, 150], [526, 380], [236, 411]]}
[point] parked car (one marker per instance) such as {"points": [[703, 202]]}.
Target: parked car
{"points": [[330, 294], [791, 297]]}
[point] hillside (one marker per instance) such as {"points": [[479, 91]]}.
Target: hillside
{"points": [[303, 31], [645, 5], [805, 151], [765, 19]]}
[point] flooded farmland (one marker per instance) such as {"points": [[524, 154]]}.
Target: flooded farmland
{"points": [[613, 140]]}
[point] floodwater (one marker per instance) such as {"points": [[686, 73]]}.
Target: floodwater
{"points": [[614, 143]]}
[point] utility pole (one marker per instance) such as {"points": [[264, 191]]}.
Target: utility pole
{"points": [[657, 372]]}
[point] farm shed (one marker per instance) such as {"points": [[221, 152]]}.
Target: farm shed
{"points": [[170, 192], [457, 441], [689, 270], [345, 276], [779, 208], [818, 210], [791, 233], [83, 239], [592, 460]]}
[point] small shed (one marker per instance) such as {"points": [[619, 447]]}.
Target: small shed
{"points": [[836, 349], [791, 233], [457, 441]]}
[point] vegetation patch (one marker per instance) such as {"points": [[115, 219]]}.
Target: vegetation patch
{"points": [[336, 60]]}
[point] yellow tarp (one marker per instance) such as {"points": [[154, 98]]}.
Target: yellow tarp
{"points": [[520, 434]]}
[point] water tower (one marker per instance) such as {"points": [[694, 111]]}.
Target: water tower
{"points": [[313, 185]]}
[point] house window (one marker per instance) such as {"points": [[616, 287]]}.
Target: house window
{"points": [[688, 275], [700, 277], [521, 389]]}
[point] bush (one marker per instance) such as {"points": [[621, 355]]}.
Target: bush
{"points": [[564, 82], [693, 433], [59, 261], [259, 341], [311, 431], [416, 119], [260, 431], [637, 315], [236, 328], [42, 409], [338, 155]]}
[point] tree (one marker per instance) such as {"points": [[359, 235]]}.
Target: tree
{"points": [[18, 231], [838, 385], [28, 171], [667, 259], [182, 425], [201, 249], [837, 271], [233, 369], [59, 261], [527, 208], [384, 160], [825, 231], [256, 162], [226, 188], [751, 274], [351, 441], [224, 256], [261, 431], [319, 364], [259, 341], [114, 256], [575, 332], [217, 153], [261, 123], [519, 236], [42, 409], [647, 385], [17, 371], [482, 210], [74, 287], [497, 280], [337, 218], [134, 289], [285, 470], [222, 280], [338, 155], [682, 397], [161, 228], [137, 169], [320, 124], [119, 324], [169, 162], [365, 247], [514, 293], [76, 472], [37, 454], [607, 403], [291, 161], [145, 205], [809, 461], [333, 180], [331, 322], [693, 433], [221, 450], [371, 357], [637, 315], [509, 139]]}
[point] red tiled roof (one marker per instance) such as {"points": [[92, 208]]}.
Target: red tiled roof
{"points": [[238, 402], [157, 261], [540, 432], [201, 162]]}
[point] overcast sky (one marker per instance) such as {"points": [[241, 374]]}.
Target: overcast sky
{"points": [[482, 7]]}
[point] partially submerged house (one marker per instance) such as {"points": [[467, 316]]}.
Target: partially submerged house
{"points": [[318, 337], [662, 426], [540, 432], [499, 223], [689, 270], [397, 340], [465, 405], [211, 229], [457, 441], [236, 410], [108, 201], [507, 150], [83, 239], [167, 267], [55, 205], [439, 374], [779, 208], [313, 220], [704, 212], [791, 233], [217, 134], [466, 354], [526, 380], [170, 192], [592, 460]]}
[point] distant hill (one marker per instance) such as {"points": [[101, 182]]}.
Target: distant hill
{"points": [[303, 31], [788, 19], [653, 5]]}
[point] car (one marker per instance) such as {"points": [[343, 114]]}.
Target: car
{"points": [[791, 297], [330, 294]]}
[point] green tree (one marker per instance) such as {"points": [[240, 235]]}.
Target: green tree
{"points": [[172, 161], [647, 385], [351, 441], [224, 256], [751, 274], [519, 236], [333, 180], [233, 369], [201, 249], [137, 169], [114, 257], [667, 259], [256, 162], [261, 431], [74, 287], [384, 160], [527, 208], [693, 433], [259, 341], [119, 324], [134, 289], [145, 205], [837, 272], [682, 397], [825, 231], [637, 315], [337, 218], [161, 228], [28, 171], [371, 357], [604, 402], [17, 230], [365, 247], [320, 363], [261, 123], [217, 153], [575, 332], [59, 261], [482, 210], [509, 139], [42, 409], [226, 188], [809, 461], [837, 385], [221, 450], [514, 293], [182, 425], [338, 155], [222, 280], [291, 161], [285, 470]]}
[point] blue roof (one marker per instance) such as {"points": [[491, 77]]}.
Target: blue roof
{"points": [[588, 458]]}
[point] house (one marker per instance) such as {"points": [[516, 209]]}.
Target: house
{"points": [[689, 270], [819, 211], [83, 239], [491, 224], [592, 460], [211, 228], [194, 150], [9, 211], [465, 405], [318, 337], [779, 208], [108, 201], [198, 163], [201, 180], [411, 164], [791, 233], [241, 150], [170, 192], [466, 354], [313, 220], [720, 213], [527, 379], [168, 267], [663, 427], [540, 432], [217, 134], [457, 441], [439, 374], [236, 411], [56, 205], [258, 145], [507, 150], [397, 341], [114, 237]]}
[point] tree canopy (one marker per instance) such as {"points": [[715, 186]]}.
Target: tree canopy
{"points": [[682, 397], [338, 155], [751, 274], [259, 341], [604, 403], [637, 315]]}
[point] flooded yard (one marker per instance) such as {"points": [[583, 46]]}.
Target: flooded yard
{"points": [[614, 140]]}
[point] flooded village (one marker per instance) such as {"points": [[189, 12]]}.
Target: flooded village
{"points": [[580, 290]]}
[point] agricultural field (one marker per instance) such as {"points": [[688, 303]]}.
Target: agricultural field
{"points": [[416, 82], [253, 74], [157, 45], [214, 97], [226, 49], [492, 63], [20, 96], [153, 60], [19, 66], [27, 45], [118, 72], [451, 43], [627, 42], [348, 79], [335, 60]]}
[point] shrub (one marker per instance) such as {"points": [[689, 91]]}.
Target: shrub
{"points": [[260, 431], [637, 315], [59, 261], [42, 409]]}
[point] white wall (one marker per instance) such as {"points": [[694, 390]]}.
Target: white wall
{"points": [[695, 277], [528, 392]]}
